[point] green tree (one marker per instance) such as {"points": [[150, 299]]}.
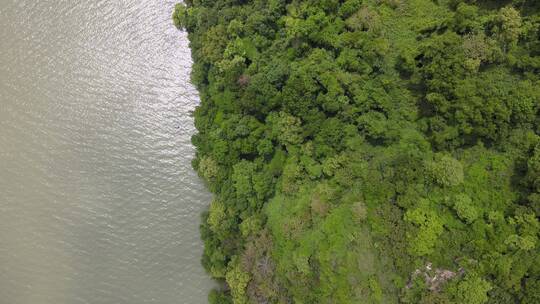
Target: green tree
{"points": [[471, 290], [445, 170]]}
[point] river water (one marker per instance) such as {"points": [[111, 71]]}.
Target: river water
{"points": [[98, 201]]}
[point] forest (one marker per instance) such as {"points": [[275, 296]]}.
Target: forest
{"points": [[368, 151]]}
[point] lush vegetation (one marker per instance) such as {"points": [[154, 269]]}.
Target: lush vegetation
{"points": [[369, 151]]}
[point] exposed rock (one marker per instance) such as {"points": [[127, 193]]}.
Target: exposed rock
{"points": [[434, 278]]}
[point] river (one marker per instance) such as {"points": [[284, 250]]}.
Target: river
{"points": [[98, 200]]}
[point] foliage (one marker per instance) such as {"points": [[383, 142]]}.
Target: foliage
{"points": [[350, 143]]}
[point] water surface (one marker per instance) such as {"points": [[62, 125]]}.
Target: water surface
{"points": [[98, 201]]}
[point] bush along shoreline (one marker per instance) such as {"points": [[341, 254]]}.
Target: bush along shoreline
{"points": [[368, 151]]}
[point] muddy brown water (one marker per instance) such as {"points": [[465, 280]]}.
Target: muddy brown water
{"points": [[98, 200]]}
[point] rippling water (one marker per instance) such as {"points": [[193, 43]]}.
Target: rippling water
{"points": [[98, 201]]}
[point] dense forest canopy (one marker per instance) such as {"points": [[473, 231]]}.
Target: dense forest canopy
{"points": [[369, 151]]}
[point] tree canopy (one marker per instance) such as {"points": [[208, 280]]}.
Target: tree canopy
{"points": [[369, 151]]}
